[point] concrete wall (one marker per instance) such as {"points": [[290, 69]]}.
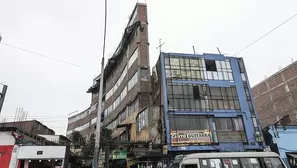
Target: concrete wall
{"points": [[285, 139]]}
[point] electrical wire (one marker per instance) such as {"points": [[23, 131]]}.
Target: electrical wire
{"points": [[266, 34], [45, 56]]}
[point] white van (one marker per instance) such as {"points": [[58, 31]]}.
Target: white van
{"points": [[232, 160]]}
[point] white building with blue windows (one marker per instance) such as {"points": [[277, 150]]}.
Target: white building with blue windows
{"points": [[207, 104]]}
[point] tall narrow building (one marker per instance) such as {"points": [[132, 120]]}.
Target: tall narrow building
{"points": [[127, 77], [207, 104]]}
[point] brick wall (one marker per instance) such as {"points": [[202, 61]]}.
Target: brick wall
{"points": [[277, 96]]}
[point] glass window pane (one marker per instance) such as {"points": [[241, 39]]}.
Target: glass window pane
{"points": [[168, 73], [167, 61], [218, 64], [215, 75], [220, 75], [182, 103], [170, 104], [178, 89], [250, 162], [228, 65], [184, 74], [174, 61], [209, 75], [210, 163], [231, 163], [223, 63], [194, 63], [230, 76], [187, 104], [175, 73], [243, 77], [220, 104], [273, 163], [237, 106], [226, 77]]}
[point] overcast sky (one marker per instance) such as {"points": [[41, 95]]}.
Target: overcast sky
{"points": [[72, 31]]}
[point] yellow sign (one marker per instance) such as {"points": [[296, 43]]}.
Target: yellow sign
{"points": [[165, 149], [178, 137]]}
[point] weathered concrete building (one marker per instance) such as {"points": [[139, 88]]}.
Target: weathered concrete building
{"points": [[276, 96]]}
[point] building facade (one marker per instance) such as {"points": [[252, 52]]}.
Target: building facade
{"points": [[207, 104], [127, 78], [281, 141], [85, 121], [276, 96]]}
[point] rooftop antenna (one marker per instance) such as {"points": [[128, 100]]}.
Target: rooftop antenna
{"points": [[160, 45], [219, 50], [194, 50]]}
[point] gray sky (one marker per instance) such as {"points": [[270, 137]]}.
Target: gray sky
{"points": [[72, 30]]}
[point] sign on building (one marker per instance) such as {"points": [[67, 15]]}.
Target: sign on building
{"points": [[119, 154], [178, 137]]}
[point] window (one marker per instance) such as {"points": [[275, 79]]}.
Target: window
{"points": [[273, 163], [142, 120], [229, 130], [210, 65], [243, 77], [187, 68], [224, 98], [133, 81], [210, 163], [133, 58], [123, 93], [133, 107], [188, 122], [231, 163], [188, 97], [250, 162], [241, 65], [143, 74], [123, 116], [196, 92]]}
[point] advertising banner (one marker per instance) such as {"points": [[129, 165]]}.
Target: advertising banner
{"points": [[190, 137]]}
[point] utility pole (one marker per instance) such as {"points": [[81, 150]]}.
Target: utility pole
{"points": [[98, 123], [2, 94]]}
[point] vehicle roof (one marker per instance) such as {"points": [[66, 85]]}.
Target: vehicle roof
{"points": [[230, 154]]}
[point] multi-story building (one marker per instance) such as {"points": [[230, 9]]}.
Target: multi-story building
{"points": [[276, 96], [126, 89], [207, 104], [127, 78], [85, 122]]}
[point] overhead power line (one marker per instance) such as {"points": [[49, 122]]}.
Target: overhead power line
{"points": [[48, 57], [266, 34]]}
